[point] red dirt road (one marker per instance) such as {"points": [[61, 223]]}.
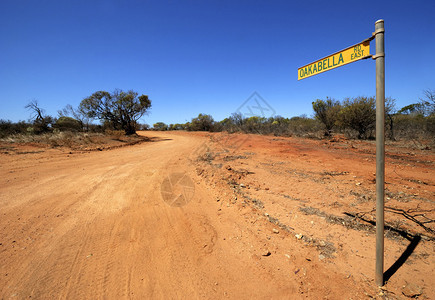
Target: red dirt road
{"points": [[264, 221]]}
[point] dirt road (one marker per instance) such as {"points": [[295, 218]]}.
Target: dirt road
{"points": [[92, 225]]}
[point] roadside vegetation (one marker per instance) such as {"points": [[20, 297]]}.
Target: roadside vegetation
{"points": [[119, 112], [355, 118]]}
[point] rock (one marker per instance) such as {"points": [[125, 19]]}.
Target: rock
{"points": [[266, 189], [266, 253], [322, 243], [411, 290], [299, 236], [275, 230], [242, 185]]}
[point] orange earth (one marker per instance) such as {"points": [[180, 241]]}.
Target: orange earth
{"points": [[212, 215]]}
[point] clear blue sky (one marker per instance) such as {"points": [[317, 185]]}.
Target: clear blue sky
{"points": [[203, 56]]}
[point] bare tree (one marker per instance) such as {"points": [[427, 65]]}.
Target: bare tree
{"points": [[428, 103], [76, 113], [37, 113], [41, 121]]}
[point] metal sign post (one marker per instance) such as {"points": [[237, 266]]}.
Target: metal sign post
{"points": [[346, 56], [380, 149]]}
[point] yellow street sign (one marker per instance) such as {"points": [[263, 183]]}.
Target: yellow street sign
{"points": [[338, 59]]}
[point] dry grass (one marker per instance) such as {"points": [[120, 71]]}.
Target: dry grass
{"points": [[65, 139], [73, 140]]}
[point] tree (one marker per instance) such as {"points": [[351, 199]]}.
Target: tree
{"points": [[41, 121], [160, 126], [176, 126], [410, 109], [120, 109], [202, 123], [390, 112], [428, 103], [79, 114], [359, 114], [327, 113], [425, 106], [237, 119]]}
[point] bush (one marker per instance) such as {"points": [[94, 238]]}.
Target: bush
{"points": [[160, 126], [68, 124], [327, 112], [359, 114], [414, 126], [202, 123], [8, 128]]}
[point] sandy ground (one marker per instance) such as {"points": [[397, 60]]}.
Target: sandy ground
{"points": [[199, 215]]}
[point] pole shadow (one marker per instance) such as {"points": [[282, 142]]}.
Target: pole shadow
{"points": [[402, 259], [414, 241]]}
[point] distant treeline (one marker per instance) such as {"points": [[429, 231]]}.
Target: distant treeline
{"points": [[354, 117]]}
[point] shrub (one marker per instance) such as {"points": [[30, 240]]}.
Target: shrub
{"points": [[67, 124], [202, 123], [327, 112], [359, 114]]}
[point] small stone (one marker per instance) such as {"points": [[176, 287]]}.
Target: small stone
{"points": [[411, 290], [322, 243], [242, 185], [298, 236], [358, 183], [266, 214], [275, 230], [266, 253], [266, 189]]}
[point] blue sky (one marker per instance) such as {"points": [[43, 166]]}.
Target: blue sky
{"points": [[203, 56]]}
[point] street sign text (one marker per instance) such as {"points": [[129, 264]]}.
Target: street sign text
{"points": [[338, 59]]}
